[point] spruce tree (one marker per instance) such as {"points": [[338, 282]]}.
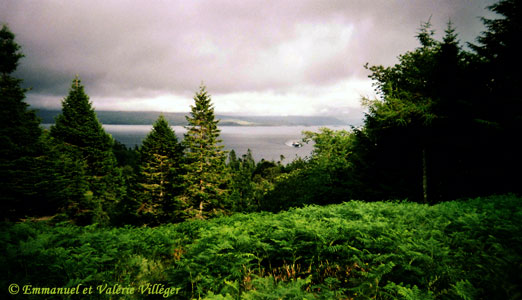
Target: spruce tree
{"points": [[206, 179], [20, 144], [159, 178], [86, 142]]}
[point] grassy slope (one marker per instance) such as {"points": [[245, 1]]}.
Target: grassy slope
{"points": [[455, 250]]}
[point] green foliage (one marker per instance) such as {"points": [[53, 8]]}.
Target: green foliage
{"points": [[404, 114], [27, 176], [10, 52], [79, 129], [206, 188], [498, 109], [430, 135], [355, 250], [243, 187], [420, 138], [159, 181], [64, 180], [126, 156], [446, 119], [265, 184], [326, 177], [84, 140]]}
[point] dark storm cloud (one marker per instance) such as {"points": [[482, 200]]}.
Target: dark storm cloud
{"points": [[150, 48]]}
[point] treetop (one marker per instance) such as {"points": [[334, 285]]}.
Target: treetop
{"points": [[10, 52]]}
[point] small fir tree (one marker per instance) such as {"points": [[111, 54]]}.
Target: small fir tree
{"points": [[159, 178], [206, 189]]}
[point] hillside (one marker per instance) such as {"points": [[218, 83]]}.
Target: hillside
{"points": [[384, 250], [148, 118]]}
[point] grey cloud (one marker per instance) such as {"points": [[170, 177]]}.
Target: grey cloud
{"points": [[143, 48]]}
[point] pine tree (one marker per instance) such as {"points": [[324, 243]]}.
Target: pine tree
{"points": [[85, 141], [206, 190], [159, 178], [20, 144]]}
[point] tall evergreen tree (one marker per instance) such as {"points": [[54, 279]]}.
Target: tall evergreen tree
{"points": [[403, 116], [500, 113], [160, 175], [206, 190], [85, 141], [499, 48], [454, 141], [20, 144], [418, 131], [36, 179]]}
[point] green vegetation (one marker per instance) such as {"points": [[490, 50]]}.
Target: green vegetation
{"points": [[20, 133], [206, 178], [385, 250], [83, 141], [159, 180]]}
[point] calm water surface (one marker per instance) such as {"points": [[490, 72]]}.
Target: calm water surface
{"points": [[268, 142]]}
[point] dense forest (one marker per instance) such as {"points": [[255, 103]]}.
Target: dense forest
{"points": [[420, 202]]}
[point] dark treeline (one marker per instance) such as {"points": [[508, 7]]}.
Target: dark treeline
{"points": [[444, 126]]}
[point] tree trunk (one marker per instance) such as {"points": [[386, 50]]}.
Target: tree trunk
{"points": [[424, 176], [200, 214]]}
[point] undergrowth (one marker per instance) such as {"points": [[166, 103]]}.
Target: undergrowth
{"points": [[384, 250]]}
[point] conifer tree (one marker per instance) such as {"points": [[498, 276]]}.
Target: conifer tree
{"points": [[36, 179], [20, 144], [500, 103], [159, 178], [423, 108], [404, 115], [206, 189], [19, 126], [85, 141], [242, 186]]}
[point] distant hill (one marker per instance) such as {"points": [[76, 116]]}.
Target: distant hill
{"points": [[176, 119]]}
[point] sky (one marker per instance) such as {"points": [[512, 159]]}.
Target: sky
{"points": [[266, 57]]}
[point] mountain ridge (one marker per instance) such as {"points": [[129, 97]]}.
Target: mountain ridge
{"points": [[178, 119]]}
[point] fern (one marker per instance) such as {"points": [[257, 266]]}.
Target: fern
{"points": [[385, 250]]}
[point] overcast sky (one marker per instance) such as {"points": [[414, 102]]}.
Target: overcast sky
{"points": [[255, 57]]}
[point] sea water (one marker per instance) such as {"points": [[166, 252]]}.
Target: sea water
{"points": [[265, 142]]}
